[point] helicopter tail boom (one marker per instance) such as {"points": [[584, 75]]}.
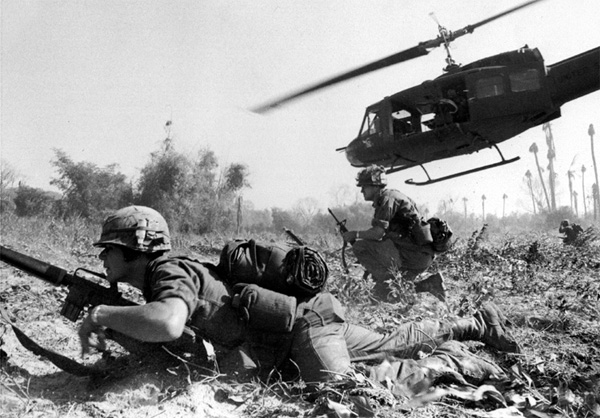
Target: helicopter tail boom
{"points": [[575, 77]]}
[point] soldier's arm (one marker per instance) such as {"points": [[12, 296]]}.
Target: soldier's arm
{"points": [[157, 321]]}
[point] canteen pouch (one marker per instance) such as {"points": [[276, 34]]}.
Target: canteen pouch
{"points": [[263, 309]]}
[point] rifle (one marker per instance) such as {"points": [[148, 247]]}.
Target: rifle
{"points": [[342, 227], [293, 236], [83, 292]]}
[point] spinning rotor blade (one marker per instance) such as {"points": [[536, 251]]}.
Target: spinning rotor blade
{"points": [[397, 58], [421, 49]]}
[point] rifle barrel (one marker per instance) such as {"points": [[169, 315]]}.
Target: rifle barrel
{"points": [[35, 267]]}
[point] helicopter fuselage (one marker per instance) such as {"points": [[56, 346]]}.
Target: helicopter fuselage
{"points": [[470, 108]]}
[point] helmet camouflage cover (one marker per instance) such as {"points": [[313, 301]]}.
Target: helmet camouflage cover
{"points": [[373, 175], [136, 227]]}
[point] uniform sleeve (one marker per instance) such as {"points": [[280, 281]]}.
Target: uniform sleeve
{"points": [[175, 280], [384, 210], [395, 212]]}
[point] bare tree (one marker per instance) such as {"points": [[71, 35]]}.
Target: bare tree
{"points": [[551, 157], [530, 185], [465, 205], [591, 133], [504, 197], [240, 215], [534, 149], [583, 189], [8, 175], [595, 198], [483, 206], [570, 175], [306, 209], [342, 195]]}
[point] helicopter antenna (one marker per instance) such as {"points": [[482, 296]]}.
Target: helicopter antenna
{"points": [[445, 35]]}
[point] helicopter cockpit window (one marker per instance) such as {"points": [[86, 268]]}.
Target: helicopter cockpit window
{"points": [[371, 124], [489, 87], [525, 80], [402, 122]]}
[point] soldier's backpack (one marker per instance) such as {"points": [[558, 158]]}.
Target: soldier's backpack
{"points": [[288, 269], [441, 234]]}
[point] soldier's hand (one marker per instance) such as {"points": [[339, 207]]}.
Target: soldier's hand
{"points": [[350, 236], [91, 335]]}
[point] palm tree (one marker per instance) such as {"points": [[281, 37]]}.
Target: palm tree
{"points": [[570, 176], [583, 188], [575, 201], [551, 157], [595, 197], [534, 149], [591, 133], [530, 185], [504, 197], [483, 206]]}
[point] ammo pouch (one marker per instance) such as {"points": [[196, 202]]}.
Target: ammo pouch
{"points": [[420, 232], [263, 309], [441, 234]]}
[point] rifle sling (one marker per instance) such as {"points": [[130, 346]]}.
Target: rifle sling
{"points": [[60, 361], [187, 343], [344, 263]]}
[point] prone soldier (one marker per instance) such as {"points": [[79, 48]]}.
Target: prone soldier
{"points": [[310, 330]]}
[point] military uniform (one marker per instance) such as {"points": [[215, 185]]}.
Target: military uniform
{"points": [[322, 344], [397, 214], [571, 231], [266, 326]]}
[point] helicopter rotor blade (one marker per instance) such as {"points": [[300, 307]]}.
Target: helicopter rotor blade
{"points": [[419, 50], [396, 58]]}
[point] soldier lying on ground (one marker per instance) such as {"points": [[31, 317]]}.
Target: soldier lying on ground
{"points": [[181, 291]]}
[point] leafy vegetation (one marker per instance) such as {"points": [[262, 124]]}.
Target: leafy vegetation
{"points": [[548, 290]]}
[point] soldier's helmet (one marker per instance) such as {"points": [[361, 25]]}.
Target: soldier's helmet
{"points": [[373, 175], [136, 227], [565, 222]]}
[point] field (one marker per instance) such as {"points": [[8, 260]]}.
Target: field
{"points": [[549, 291]]}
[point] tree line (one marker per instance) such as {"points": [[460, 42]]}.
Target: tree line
{"points": [[197, 195], [192, 192]]}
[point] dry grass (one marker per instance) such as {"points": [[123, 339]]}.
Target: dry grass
{"points": [[549, 291]]}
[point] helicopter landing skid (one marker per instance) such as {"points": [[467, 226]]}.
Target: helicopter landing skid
{"points": [[462, 173]]}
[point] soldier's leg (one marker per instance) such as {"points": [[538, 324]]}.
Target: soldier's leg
{"points": [[414, 257], [415, 260], [320, 351], [405, 342], [379, 258], [487, 326]]}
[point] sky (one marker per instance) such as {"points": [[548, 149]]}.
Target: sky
{"points": [[98, 79]]}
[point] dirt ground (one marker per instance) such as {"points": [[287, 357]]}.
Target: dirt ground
{"points": [[550, 293]]}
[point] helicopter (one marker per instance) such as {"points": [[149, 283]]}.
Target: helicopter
{"points": [[466, 109]]}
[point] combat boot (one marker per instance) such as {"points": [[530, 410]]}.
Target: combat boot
{"points": [[488, 325], [434, 284]]}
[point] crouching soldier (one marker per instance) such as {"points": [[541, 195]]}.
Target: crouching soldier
{"points": [[571, 231], [266, 326], [398, 238]]}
